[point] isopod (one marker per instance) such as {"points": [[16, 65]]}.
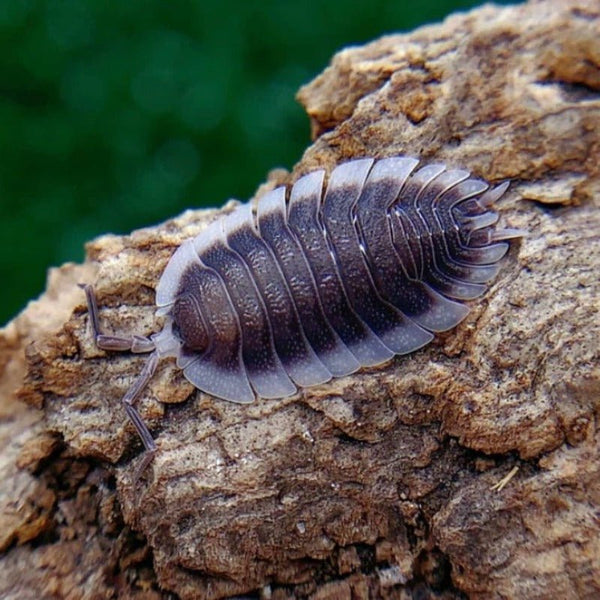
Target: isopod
{"points": [[320, 279]]}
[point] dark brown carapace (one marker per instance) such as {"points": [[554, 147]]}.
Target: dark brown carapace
{"points": [[320, 280]]}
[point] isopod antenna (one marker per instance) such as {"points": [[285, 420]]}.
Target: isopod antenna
{"points": [[132, 343]]}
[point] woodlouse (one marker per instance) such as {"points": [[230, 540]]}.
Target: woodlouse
{"points": [[322, 281]]}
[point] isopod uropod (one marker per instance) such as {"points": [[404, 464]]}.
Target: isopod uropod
{"points": [[320, 280]]}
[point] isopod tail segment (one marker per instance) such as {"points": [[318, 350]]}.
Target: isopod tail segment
{"points": [[137, 344]]}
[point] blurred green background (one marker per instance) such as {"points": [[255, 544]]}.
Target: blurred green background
{"points": [[117, 115]]}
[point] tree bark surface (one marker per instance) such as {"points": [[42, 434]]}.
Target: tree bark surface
{"points": [[380, 484]]}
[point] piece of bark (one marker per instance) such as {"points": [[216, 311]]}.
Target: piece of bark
{"points": [[380, 484]]}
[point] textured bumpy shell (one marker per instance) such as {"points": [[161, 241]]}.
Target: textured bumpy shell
{"points": [[325, 280]]}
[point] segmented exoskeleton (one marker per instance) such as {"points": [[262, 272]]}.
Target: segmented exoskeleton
{"points": [[317, 281]]}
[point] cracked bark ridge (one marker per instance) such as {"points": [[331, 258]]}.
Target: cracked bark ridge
{"points": [[374, 485]]}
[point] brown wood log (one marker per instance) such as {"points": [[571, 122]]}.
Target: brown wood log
{"points": [[380, 484]]}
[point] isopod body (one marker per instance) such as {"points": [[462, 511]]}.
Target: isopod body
{"points": [[331, 278], [323, 278]]}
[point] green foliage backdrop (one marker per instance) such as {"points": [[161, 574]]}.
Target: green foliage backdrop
{"points": [[117, 115]]}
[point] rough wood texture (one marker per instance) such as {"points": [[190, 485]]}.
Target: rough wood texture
{"points": [[375, 485]]}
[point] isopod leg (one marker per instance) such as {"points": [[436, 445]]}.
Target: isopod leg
{"points": [[134, 416], [133, 343]]}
